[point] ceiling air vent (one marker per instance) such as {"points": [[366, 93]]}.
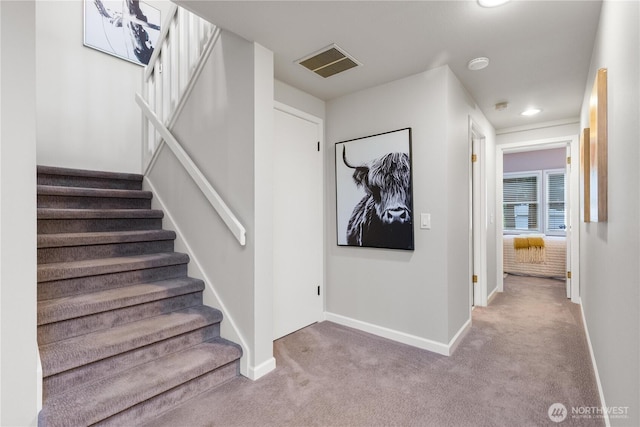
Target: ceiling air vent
{"points": [[328, 61]]}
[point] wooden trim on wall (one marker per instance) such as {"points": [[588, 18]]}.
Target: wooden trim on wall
{"points": [[598, 145], [585, 181]]}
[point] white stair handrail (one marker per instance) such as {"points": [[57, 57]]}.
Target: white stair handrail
{"points": [[234, 225], [183, 47]]}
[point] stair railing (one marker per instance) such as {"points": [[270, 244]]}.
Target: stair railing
{"points": [[183, 47]]}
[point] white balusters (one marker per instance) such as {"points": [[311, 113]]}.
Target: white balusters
{"points": [[183, 22], [184, 44]]}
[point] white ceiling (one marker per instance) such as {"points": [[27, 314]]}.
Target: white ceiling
{"points": [[539, 50]]}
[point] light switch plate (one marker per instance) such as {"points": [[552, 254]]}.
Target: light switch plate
{"points": [[425, 221]]}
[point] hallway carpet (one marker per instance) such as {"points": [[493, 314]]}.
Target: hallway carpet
{"points": [[524, 352]]}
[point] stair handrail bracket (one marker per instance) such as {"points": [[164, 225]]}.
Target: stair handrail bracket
{"points": [[184, 45]]}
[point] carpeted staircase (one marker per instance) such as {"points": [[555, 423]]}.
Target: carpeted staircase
{"points": [[122, 331]]}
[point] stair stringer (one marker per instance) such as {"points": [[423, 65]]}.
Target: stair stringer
{"points": [[228, 329]]}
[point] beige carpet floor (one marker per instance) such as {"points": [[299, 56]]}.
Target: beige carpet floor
{"points": [[523, 353]]}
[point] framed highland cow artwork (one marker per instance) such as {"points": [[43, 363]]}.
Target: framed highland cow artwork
{"points": [[374, 199]]}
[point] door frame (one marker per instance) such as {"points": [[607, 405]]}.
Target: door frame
{"points": [[319, 122], [573, 208], [478, 215]]}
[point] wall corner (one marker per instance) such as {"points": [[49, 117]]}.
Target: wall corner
{"points": [[263, 204]]}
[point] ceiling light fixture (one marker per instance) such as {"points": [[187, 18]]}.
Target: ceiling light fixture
{"points": [[478, 63], [531, 112], [492, 3]]}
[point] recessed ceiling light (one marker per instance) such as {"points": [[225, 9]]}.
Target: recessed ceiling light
{"points": [[478, 63], [531, 112], [492, 3]]}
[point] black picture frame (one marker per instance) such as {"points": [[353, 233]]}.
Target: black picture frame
{"points": [[374, 191]]}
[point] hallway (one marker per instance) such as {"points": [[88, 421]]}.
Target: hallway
{"points": [[524, 352]]}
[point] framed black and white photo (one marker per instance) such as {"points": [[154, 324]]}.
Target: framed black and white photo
{"points": [[374, 199], [127, 29]]}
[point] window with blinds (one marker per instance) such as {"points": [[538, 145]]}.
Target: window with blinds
{"points": [[521, 200], [533, 202], [555, 216]]}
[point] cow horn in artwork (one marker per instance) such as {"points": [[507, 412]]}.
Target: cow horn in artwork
{"points": [[344, 158], [360, 175]]}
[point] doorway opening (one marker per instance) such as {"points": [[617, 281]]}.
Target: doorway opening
{"points": [[537, 201]]}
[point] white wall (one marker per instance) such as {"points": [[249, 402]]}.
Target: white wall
{"points": [[263, 147], [538, 131], [87, 117], [461, 108], [298, 99], [554, 158], [18, 345], [416, 294], [225, 128], [610, 250]]}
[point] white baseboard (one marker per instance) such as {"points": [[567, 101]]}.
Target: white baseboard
{"points": [[256, 372], [492, 295], [457, 338], [415, 341], [595, 366], [39, 386]]}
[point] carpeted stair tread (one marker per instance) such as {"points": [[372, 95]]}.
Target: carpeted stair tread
{"points": [[102, 238], [70, 307], [106, 397], [94, 267], [66, 329], [55, 190], [77, 351], [78, 285], [66, 177], [67, 247], [54, 170], [57, 213], [82, 375], [65, 220]]}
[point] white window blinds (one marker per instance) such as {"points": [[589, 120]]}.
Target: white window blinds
{"points": [[534, 202], [521, 202], [555, 213]]}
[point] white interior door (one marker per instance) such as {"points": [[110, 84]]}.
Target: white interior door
{"points": [[298, 224]]}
